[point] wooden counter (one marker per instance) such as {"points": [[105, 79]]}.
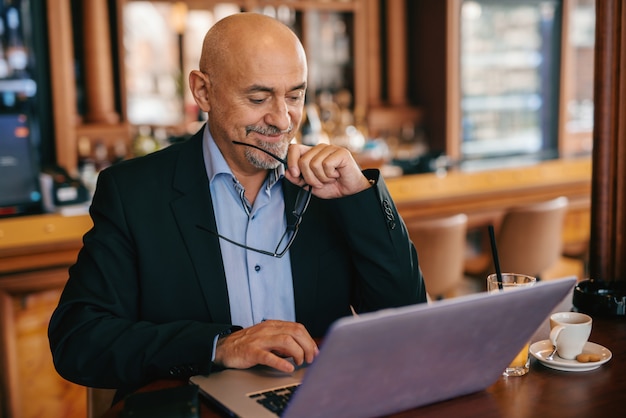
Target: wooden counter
{"points": [[477, 193], [32, 242]]}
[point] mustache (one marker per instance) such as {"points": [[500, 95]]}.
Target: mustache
{"points": [[269, 130]]}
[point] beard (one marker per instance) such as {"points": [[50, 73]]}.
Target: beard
{"points": [[262, 160]]}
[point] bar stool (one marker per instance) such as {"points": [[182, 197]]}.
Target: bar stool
{"points": [[440, 245], [529, 239]]}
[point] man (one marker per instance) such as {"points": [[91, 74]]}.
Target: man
{"points": [[183, 245]]}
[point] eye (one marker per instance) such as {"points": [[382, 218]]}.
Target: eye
{"points": [[296, 97], [257, 100]]}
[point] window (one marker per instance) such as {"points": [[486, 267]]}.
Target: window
{"points": [[526, 80], [509, 63]]}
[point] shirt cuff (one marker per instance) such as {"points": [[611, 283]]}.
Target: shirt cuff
{"points": [[215, 340]]}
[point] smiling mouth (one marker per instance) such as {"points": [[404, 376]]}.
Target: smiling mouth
{"points": [[269, 131]]}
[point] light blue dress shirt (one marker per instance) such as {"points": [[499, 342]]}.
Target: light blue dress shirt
{"points": [[259, 286]]}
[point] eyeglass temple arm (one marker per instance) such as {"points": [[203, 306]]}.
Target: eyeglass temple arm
{"points": [[276, 157]]}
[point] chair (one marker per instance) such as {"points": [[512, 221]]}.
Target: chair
{"points": [[577, 236], [529, 239], [440, 245], [99, 401]]}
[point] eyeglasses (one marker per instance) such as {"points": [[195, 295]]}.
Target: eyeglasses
{"points": [[302, 203]]}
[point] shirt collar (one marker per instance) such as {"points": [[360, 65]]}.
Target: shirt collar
{"points": [[215, 163]]}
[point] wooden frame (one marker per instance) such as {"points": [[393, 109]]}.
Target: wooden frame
{"points": [[453, 79], [68, 126], [62, 82]]}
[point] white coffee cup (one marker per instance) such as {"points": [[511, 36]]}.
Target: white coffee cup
{"points": [[569, 331]]}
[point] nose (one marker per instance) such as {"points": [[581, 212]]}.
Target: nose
{"points": [[279, 115]]}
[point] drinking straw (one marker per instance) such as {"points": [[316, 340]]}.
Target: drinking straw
{"points": [[494, 253]]}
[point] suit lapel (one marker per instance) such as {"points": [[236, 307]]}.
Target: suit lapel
{"points": [[193, 209], [303, 269]]}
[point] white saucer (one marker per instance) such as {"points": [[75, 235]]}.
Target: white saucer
{"points": [[541, 349]]}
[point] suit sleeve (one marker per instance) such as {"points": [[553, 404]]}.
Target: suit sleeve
{"points": [[384, 255]]}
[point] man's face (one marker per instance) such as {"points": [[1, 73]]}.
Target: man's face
{"points": [[258, 100]]}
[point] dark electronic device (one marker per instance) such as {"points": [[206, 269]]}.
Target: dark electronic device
{"points": [[19, 168], [25, 110]]}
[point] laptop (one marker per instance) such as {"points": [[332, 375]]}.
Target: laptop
{"points": [[388, 361]]}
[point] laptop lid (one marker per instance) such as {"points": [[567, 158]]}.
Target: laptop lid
{"points": [[396, 359]]}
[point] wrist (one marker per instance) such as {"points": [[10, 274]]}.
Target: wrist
{"points": [[216, 363]]}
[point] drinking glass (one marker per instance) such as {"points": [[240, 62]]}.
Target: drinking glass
{"points": [[510, 281]]}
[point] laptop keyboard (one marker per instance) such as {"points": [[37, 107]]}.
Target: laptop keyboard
{"points": [[276, 399]]}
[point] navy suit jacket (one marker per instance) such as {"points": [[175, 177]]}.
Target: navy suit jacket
{"points": [[148, 292]]}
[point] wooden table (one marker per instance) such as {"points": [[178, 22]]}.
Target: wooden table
{"points": [[543, 392]]}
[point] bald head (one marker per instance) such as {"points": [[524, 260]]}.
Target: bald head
{"points": [[245, 35], [252, 83]]}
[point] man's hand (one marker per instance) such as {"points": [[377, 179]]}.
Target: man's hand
{"points": [[268, 343], [330, 170]]}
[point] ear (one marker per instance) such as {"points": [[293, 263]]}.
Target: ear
{"points": [[199, 85]]}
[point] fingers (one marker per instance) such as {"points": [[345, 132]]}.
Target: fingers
{"points": [[330, 170], [317, 165], [269, 343]]}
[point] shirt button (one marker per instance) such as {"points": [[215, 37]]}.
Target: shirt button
{"points": [[257, 268]]}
